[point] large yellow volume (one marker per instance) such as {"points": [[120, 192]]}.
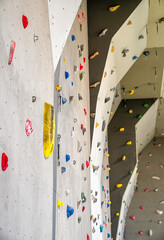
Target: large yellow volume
{"points": [[48, 129]]}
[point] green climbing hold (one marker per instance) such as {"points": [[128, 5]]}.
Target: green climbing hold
{"points": [[79, 219], [139, 116], [146, 105], [130, 172]]}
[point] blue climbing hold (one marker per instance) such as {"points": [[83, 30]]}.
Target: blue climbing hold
{"points": [[71, 83], [107, 112], [101, 228], [108, 235], [107, 191], [66, 75], [136, 87], [63, 169], [73, 38], [106, 149], [103, 188], [150, 84], [107, 177], [108, 220], [108, 205], [64, 100], [67, 158], [116, 95], [134, 57], [70, 211], [107, 166]]}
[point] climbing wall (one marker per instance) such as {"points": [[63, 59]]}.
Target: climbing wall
{"points": [[122, 150], [27, 82], [73, 134], [145, 216]]}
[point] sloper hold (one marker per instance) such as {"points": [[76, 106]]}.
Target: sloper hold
{"points": [[70, 211], [159, 212], [4, 162], [94, 85], [150, 232], [103, 32], [12, 49], [94, 55], [114, 8], [155, 177], [48, 129], [24, 21]]}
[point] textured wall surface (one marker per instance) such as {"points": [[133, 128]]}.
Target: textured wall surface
{"points": [[119, 173]]}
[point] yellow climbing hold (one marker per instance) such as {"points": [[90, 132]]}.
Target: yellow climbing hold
{"points": [[105, 74], [48, 129], [110, 202], [111, 113], [114, 8], [129, 143], [117, 214], [122, 129], [123, 158], [108, 169], [64, 60], [107, 154], [59, 203], [107, 130], [130, 111], [91, 217], [94, 55], [129, 23], [112, 49], [110, 225], [131, 92], [58, 88], [92, 166], [119, 185], [95, 84], [97, 124]]}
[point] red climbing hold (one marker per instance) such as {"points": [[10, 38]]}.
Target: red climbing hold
{"points": [[146, 190], [81, 67], [28, 127], [140, 154], [12, 49], [84, 59], [85, 111], [88, 238], [4, 162], [141, 207], [132, 217], [83, 208], [83, 16], [82, 126], [141, 233], [79, 19], [87, 164], [24, 21]]}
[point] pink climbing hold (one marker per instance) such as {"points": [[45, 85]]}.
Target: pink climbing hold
{"points": [[88, 238], [141, 233], [83, 208], [81, 67], [104, 167], [79, 19], [141, 207], [85, 111], [106, 225], [12, 49], [146, 190], [28, 127], [132, 217], [83, 16], [24, 21], [147, 166], [87, 164]]}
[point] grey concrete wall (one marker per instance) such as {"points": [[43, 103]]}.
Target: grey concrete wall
{"points": [[148, 218], [119, 173], [26, 187]]}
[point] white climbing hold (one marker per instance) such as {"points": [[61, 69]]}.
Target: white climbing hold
{"points": [[150, 232], [162, 202], [161, 166], [160, 222], [156, 190], [156, 178], [159, 212], [103, 32]]}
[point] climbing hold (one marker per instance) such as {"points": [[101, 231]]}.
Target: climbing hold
{"points": [[95, 84], [93, 230], [79, 96], [28, 127], [130, 172], [159, 212], [88, 238], [78, 204], [132, 217], [112, 49], [146, 53], [108, 205], [125, 51], [83, 208], [70, 211], [124, 158], [87, 164], [156, 190], [134, 57], [97, 124], [71, 99], [117, 214], [82, 166], [94, 55], [150, 232], [131, 92], [59, 203], [129, 143], [156, 178], [12, 49], [141, 233], [108, 235], [150, 154], [81, 67], [105, 74], [63, 169], [103, 188], [79, 219], [107, 99], [146, 105], [161, 20], [103, 32], [101, 228], [33, 99], [66, 75], [4, 162], [92, 115], [107, 155], [130, 111], [159, 222], [122, 129], [141, 207], [64, 100], [139, 116], [162, 202], [58, 88], [84, 130], [67, 157], [24, 21], [107, 177], [141, 36], [129, 23], [108, 169], [146, 190], [75, 69], [79, 19], [103, 125], [84, 59], [114, 8], [73, 37], [85, 111], [140, 154], [83, 16], [118, 185]]}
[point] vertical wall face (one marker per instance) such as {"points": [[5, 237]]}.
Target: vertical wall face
{"points": [[120, 169], [27, 184]]}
